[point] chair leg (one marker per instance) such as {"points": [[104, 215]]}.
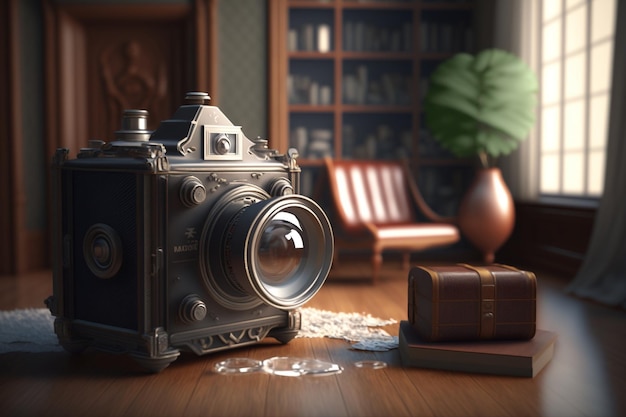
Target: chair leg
{"points": [[406, 260], [377, 260]]}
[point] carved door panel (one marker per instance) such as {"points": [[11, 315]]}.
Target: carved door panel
{"points": [[104, 58], [132, 66]]}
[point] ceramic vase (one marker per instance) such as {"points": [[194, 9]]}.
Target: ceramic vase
{"points": [[486, 215]]}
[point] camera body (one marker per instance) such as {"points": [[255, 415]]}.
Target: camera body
{"points": [[189, 238]]}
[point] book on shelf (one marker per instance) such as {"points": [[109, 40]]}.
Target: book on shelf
{"points": [[312, 143], [302, 89], [390, 88], [500, 357], [361, 37], [445, 37], [310, 37]]}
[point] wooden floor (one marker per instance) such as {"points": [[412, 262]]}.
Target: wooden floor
{"points": [[586, 377]]}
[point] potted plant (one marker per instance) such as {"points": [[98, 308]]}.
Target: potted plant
{"points": [[483, 106]]}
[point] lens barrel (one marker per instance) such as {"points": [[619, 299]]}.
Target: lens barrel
{"points": [[277, 250]]}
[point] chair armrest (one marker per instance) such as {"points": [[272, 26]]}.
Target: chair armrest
{"points": [[422, 205]]}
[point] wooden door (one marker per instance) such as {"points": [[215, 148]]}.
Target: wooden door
{"points": [[99, 58]]}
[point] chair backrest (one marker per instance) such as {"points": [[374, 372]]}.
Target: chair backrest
{"points": [[370, 192]]}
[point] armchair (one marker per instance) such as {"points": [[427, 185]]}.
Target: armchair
{"points": [[375, 206]]}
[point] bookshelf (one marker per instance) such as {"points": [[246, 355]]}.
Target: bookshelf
{"points": [[347, 78]]}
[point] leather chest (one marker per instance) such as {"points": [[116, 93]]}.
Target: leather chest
{"points": [[464, 302]]}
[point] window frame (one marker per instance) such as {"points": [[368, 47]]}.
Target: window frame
{"points": [[560, 195]]}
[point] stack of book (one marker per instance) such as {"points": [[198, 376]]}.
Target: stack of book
{"points": [[499, 357]]}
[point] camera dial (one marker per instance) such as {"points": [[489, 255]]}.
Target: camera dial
{"points": [[192, 191], [197, 97], [192, 309], [281, 186], [134, 126], [222, 144]]}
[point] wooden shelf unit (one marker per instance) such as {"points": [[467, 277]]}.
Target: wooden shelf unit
{"points": [[359, 94]]}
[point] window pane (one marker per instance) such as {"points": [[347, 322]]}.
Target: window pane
{"points": [[551, 9], [571, 3], [602, 19], [551, 83], [573, 173], [551, 45], [550, 129], [598, 121], [601, 67], [574, 126], [576, 29], [596, 163], [550, 169], [575, 72]]}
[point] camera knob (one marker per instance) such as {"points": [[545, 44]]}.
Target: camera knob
{"points": [[280, 187], [134, 126], [222, 145], [197, 97], [192, 192], [192, 308]]}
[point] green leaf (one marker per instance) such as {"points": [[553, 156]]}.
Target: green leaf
{"points": [[450, 100], [482, 61], [481, 104]]}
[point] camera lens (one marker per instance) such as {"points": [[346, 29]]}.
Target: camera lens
{"points": [[102, 250], [273, 250], [281, 250]]}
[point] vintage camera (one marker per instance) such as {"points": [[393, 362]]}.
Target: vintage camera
{"points": [[189, 238]]}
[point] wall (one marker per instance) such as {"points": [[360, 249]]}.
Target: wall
{"points": [[33, 150], [551, 237], [243, 94]]}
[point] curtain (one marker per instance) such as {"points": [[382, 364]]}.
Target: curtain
{"points": [[515, 30], [602, 276]]}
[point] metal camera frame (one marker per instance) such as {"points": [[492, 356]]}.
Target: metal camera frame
{"points": [[156, 237]]}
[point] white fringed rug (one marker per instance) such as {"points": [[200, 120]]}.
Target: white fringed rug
{"points": [[362, 329], [32, 330], [28, 330]]}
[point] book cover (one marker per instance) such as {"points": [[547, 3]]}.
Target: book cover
{"points": [[500, 357]]}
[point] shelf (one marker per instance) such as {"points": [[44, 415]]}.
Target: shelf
{"points": [[379, 5], [377, 109], [310, 4], [436, 56], [380, 56], [307, 108], [311, 55]]}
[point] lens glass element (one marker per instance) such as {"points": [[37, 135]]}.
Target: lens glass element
{"points": [[289, 252], [287, 366], [281, 248], [238, 366], [102, 250]]}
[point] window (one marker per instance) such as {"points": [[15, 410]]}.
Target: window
{"points": [[575, 58]]}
